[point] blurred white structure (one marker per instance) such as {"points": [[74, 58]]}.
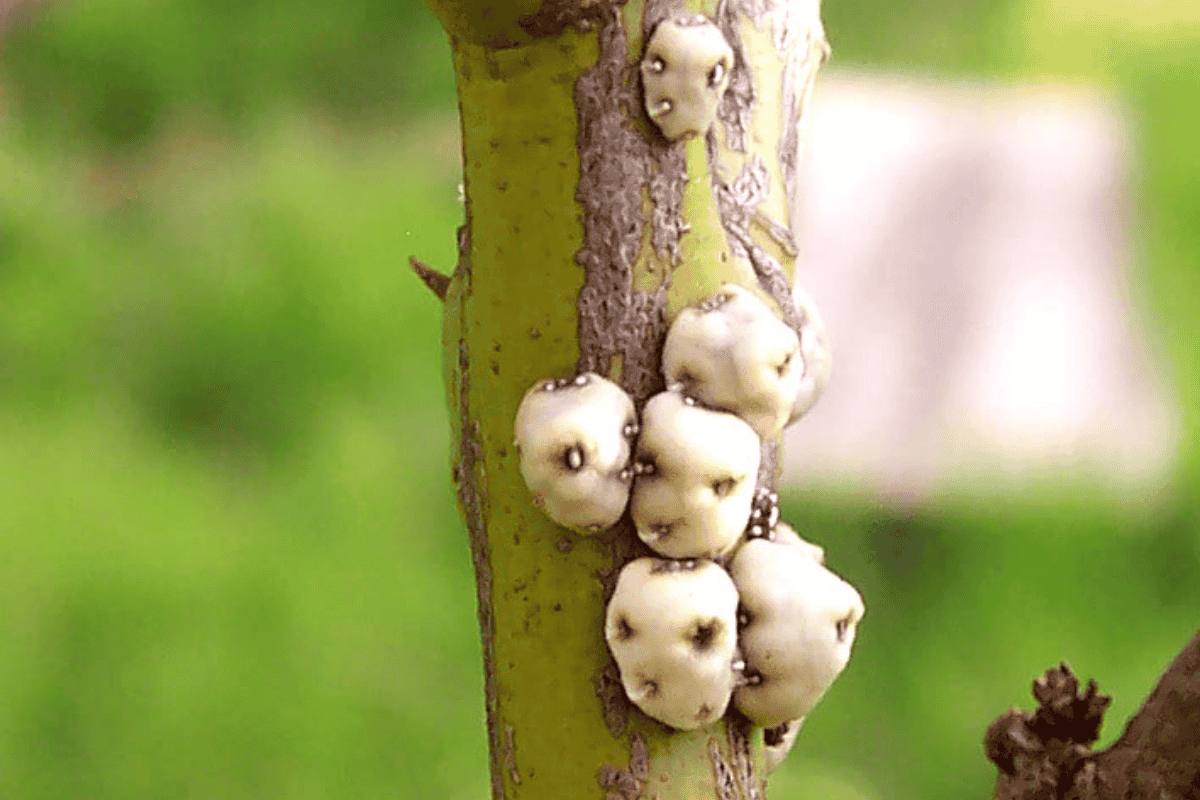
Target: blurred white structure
{"points": [[970, 251]]}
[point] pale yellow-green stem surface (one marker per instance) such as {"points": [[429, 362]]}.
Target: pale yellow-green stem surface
{"points": [[511, 319]]}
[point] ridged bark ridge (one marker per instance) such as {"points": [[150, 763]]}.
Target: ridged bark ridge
{"points": [[586, 232]]}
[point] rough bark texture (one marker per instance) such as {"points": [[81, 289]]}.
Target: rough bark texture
{"points": [[1047, 755], [586, 232]]}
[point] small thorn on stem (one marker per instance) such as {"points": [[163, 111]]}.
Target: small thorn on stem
{"points": [[438, 283]]}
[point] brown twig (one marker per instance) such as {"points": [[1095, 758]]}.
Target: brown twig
{"points": [[1047, 755]]}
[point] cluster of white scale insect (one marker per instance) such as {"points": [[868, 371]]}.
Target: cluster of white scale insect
{"points": [[735, 607]]}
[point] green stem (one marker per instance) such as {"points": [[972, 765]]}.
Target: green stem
{"points": [[544, 90]]}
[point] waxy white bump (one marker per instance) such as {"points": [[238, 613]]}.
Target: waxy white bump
{"points": [[799, 627], [685, 73], [671, 627], [734, 354], [815, 353], [696, 470], [574, 444]]}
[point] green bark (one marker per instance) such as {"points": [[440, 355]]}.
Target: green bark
{"points": [[541, 289]]}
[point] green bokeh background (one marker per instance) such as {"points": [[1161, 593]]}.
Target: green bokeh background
{"points": [[230, 560]]}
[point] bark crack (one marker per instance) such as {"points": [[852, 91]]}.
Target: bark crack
{"points": [[467, 474], [470, 456], [617, 163], [724, 782], [800, 40], [740, 730], [510, 755], [613, 703], [738, 204]]}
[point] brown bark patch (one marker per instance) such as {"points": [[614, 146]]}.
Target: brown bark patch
{"points": [[736, 106], [724, 782], [740, 730], [617, 163], [510, 755], [556, 16], [614, 705]]}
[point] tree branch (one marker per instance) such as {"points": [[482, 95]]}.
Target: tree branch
{"points": [[1047, 755]]}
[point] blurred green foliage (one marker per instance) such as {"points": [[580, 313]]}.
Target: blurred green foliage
{"points": [[111, 71], [230, 562]]}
